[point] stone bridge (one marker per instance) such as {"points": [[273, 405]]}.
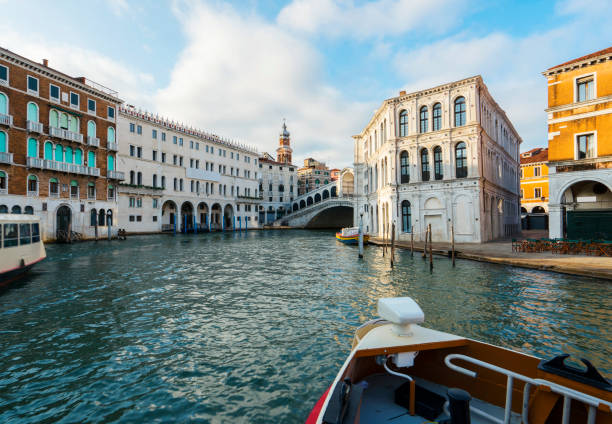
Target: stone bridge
{"points": [[329, 206]]}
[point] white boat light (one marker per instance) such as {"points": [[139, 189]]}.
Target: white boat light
{"points": [[402, 312]]}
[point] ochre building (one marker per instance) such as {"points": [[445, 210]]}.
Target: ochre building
{"points": [[57, 149], [580, 146], [534, 189]]}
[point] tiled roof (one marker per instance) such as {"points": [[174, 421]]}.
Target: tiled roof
{"points": [[588, 56], [538, 154]]}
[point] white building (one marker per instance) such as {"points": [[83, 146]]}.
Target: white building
{"points": [[445, 156], [277, 181], [181, 179]]}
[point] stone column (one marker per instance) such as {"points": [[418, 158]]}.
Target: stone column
{"points": [[555, 221]]}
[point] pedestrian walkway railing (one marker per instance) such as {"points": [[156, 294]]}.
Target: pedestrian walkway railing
{"points": [[564, 246]]}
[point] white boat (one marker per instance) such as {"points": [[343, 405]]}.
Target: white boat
{"points": [[350, 235], [402, 373], [20, 245]]}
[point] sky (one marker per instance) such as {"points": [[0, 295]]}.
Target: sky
{"points": [[238, 68]]}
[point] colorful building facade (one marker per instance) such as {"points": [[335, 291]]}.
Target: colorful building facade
{"points": [[58, 149], [312, 175], [580, 146], [534, 188]]}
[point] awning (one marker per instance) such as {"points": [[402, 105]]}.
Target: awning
{"points": [[72, 112], [73, 183]]}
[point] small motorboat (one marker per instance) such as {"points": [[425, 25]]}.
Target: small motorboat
{"points": [[350, 235], [21, 246], [400, 372]]}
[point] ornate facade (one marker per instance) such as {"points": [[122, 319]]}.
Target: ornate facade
{"points": [[446, 156]]}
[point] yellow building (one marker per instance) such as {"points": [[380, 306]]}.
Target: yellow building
{"points": [[534, 189], [580, 146]]}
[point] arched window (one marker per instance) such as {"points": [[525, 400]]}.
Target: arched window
{"points": [[91, 191], [111, 192], [91, 129], [32, 112], [48, 150], [437, 117], [163, 183], [3, 209], [403, 121], [93, 217], [423, 120], [317, 182], [3, 182], [438, 172], [78, 157], [110, 162], [74, 189], [74, 124], [109, 217], [110, 137], [406, 217], [424, 165], [32, 185], [32, 148], [59, 153], [68, 154], [54, 118], [3, 104], [63, 121], [101, 218], [139, 178], [53, 187], [91, 159], [154, 180], [181, 184], [461, 160], [28, 210], [16, 209], [175, 184], [404, 168], [460, 111], [3, 142]]}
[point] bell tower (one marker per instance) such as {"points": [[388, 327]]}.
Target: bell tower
{"points": [[283, 153]]}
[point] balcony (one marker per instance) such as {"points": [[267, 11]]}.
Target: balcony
{"points": [[93, 141], [3, 191], [6, 119], [36, 127], [6, 157], [115, 175], [33, 193], [54, 195], [62, 167], [35, 163], [200, 174], [65, 134], [110, 145]]}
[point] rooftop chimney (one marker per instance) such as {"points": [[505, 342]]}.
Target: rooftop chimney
{"points": [[45, 62], [403, 93]]}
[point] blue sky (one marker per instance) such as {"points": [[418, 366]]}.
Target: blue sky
{"points": [[237, 68]]}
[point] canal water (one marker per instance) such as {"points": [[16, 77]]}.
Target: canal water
{"points": [[250, 327]]}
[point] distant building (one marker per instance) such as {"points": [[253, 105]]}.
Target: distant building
{"points": [[580, 146], [534, 189], [58, 149], [334, 174], [277, 181], [312, 175], [182, 179], [447, 155]]}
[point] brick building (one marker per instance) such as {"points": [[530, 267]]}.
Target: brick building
{"points": [[57, 148], [312, 175]]}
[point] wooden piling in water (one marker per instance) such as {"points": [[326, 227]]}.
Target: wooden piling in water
{"points": [[411, 243], [425, 245], [453, 244], [430, 250], [392, 243]]}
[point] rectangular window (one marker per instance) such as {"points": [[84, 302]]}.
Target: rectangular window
{"points": [[155, 218], [139, 218], [163, 157], [155, 155], [3, 75], [197, 146], [163, 136], [212, 150], [586, 146], [521, 193], [174, 159], [155, 204], [154, 134], [181, 141], [32, 85], [521, 173], [131, 218], [74, 100], [132, 150], [585, 88], [132, 128], [181, 161], [537, 192], [91, 105], [139, 152], [191, 144], [174, 139], [139, 202], [54, 93], [110, 112], [132, 202], [139, 130], [536, 171]]}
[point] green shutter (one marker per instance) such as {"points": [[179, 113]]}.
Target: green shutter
{"points": [[32, 148], [91, 159], [54, 119], [90, 184], [68, 154], [78, 157], [2, 174], [3, 104], [91, 129], [53, 180], [74, 124], [32, 112], [64, 120], [3, 147], [73, 183], [32, 178], [48, 150], [59, 153], [111, 134], [111, 163]]}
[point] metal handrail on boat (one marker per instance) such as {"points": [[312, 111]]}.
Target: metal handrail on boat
{"points": [[567, 393]]}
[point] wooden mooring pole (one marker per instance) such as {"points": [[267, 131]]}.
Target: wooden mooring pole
{"points": [[392, 243], [383, 240], [411, 242], [425, 245], [453, 244], [430, 251]]}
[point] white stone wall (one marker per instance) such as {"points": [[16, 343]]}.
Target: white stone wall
{"points": [[275, 200], [482, 206]]}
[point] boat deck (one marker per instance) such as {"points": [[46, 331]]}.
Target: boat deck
{"points": [[378, 403]]}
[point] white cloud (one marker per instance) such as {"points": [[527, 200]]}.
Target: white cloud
{"points": [[75, 61], [118, 7], [240, 76], [372, 19]]}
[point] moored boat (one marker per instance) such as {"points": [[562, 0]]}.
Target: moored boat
{"points": [[350, 235], [401, 372], [20, 246]]}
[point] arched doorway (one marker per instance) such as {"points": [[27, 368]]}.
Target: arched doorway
{"points": [[317, 198], [203, 215], [186, 217], [228, 217], [270, 216], [348, 183], [586, 210], [63, 223], [169, 218], [215, 217]]}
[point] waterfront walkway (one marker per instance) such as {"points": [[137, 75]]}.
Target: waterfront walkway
{"points": [[501, 252]]}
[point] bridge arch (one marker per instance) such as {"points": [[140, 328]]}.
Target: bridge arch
{"points": [[317, 198], [309, 201], [295, 207], [302, 204], [325, 194], [332, 217]]}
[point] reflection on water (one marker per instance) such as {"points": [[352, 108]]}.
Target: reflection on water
{"points": [[250, 327]]}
